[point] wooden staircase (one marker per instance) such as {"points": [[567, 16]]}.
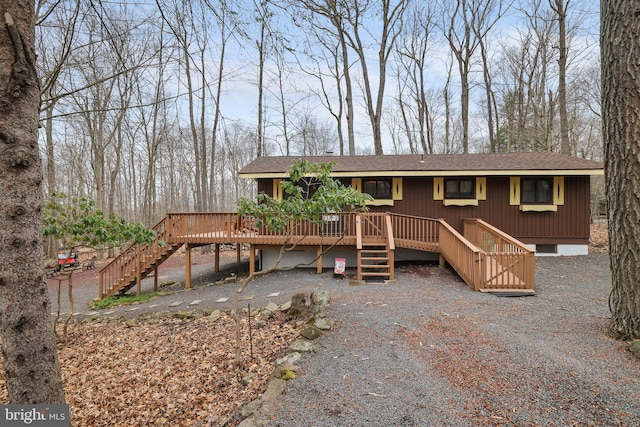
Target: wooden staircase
{"points": [[136, 263], [146, 269], [375, 262], [375, 247]]}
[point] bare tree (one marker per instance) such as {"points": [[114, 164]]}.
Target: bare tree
{"points": [[28, 345], [560, 8], [390, 16], [315, 12], [412, 59], [620, 53], [465, 24]]}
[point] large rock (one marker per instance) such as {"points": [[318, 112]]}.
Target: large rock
{"points": [[301, 304]]}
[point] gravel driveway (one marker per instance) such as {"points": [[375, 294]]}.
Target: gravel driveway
{"points": [[428, 351]]}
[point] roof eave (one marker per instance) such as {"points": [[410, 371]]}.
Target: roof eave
{"points": [[512, 172]]}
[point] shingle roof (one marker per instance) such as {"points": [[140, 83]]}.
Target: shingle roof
{"points": [[544, 163]]}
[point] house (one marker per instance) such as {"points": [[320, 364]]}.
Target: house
{"points": [[483, 214], [540, 198]]}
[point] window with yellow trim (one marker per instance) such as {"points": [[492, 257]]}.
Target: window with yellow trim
{"points": [[537, 194], [536, 191], [377, 188]]}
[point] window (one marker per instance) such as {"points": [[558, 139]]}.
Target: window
{"points": [[459, 188], [377, 188], [536, 190]]}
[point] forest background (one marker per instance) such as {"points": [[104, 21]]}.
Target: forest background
{"points": [[153, 106]]}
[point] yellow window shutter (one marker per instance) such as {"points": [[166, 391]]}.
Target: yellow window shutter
{"points": [[397, 188], [558, 190], [356, 184], [277, 189], [481, 188], [438, 188], [514, 191]]}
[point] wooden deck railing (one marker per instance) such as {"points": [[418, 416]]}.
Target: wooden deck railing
{"points": [[415, 232], [508, 263], [484, 257], [207, 228]]}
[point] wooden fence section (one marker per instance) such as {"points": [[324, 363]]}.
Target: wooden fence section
{"points": [[508, 264]]}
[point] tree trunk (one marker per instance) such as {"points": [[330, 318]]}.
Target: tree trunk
{"points": [[620, 51], [28, 344]]}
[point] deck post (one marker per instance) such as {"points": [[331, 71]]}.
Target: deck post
{"points": [[155, 279], [187, 266], [252, 259], [319, 261], [138, 270], [238, 250], [441, 261], [217, 257]]}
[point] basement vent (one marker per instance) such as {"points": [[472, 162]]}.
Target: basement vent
{"points": [[547, 249]]}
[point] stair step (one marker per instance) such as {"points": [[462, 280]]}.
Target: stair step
{"points": [[373, 258], [374, 265], [375, 274]]}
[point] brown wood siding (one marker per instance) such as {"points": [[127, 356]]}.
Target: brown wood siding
{"points": [[570, 224]]}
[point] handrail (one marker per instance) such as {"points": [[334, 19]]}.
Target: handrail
{"points": [[127, 264], [463, 256], [492, 239]]}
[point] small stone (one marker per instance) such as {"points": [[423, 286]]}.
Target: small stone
{"points": [[286, 306], [251, 407], [131, 309], [247, 379], [266, 314], [272, 307], [196, 302], [273, 295], [289, 361], [175, 304], [275, 388], [215, 315], [247, 298], [323, 323], [302, 345], [634, 347], [222, 300], [310, 332], [321, 298]]}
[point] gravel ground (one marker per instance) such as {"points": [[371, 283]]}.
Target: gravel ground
{"points": [[429, 351]]}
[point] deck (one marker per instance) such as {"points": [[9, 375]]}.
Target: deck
{"points": [[485, 258]]}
